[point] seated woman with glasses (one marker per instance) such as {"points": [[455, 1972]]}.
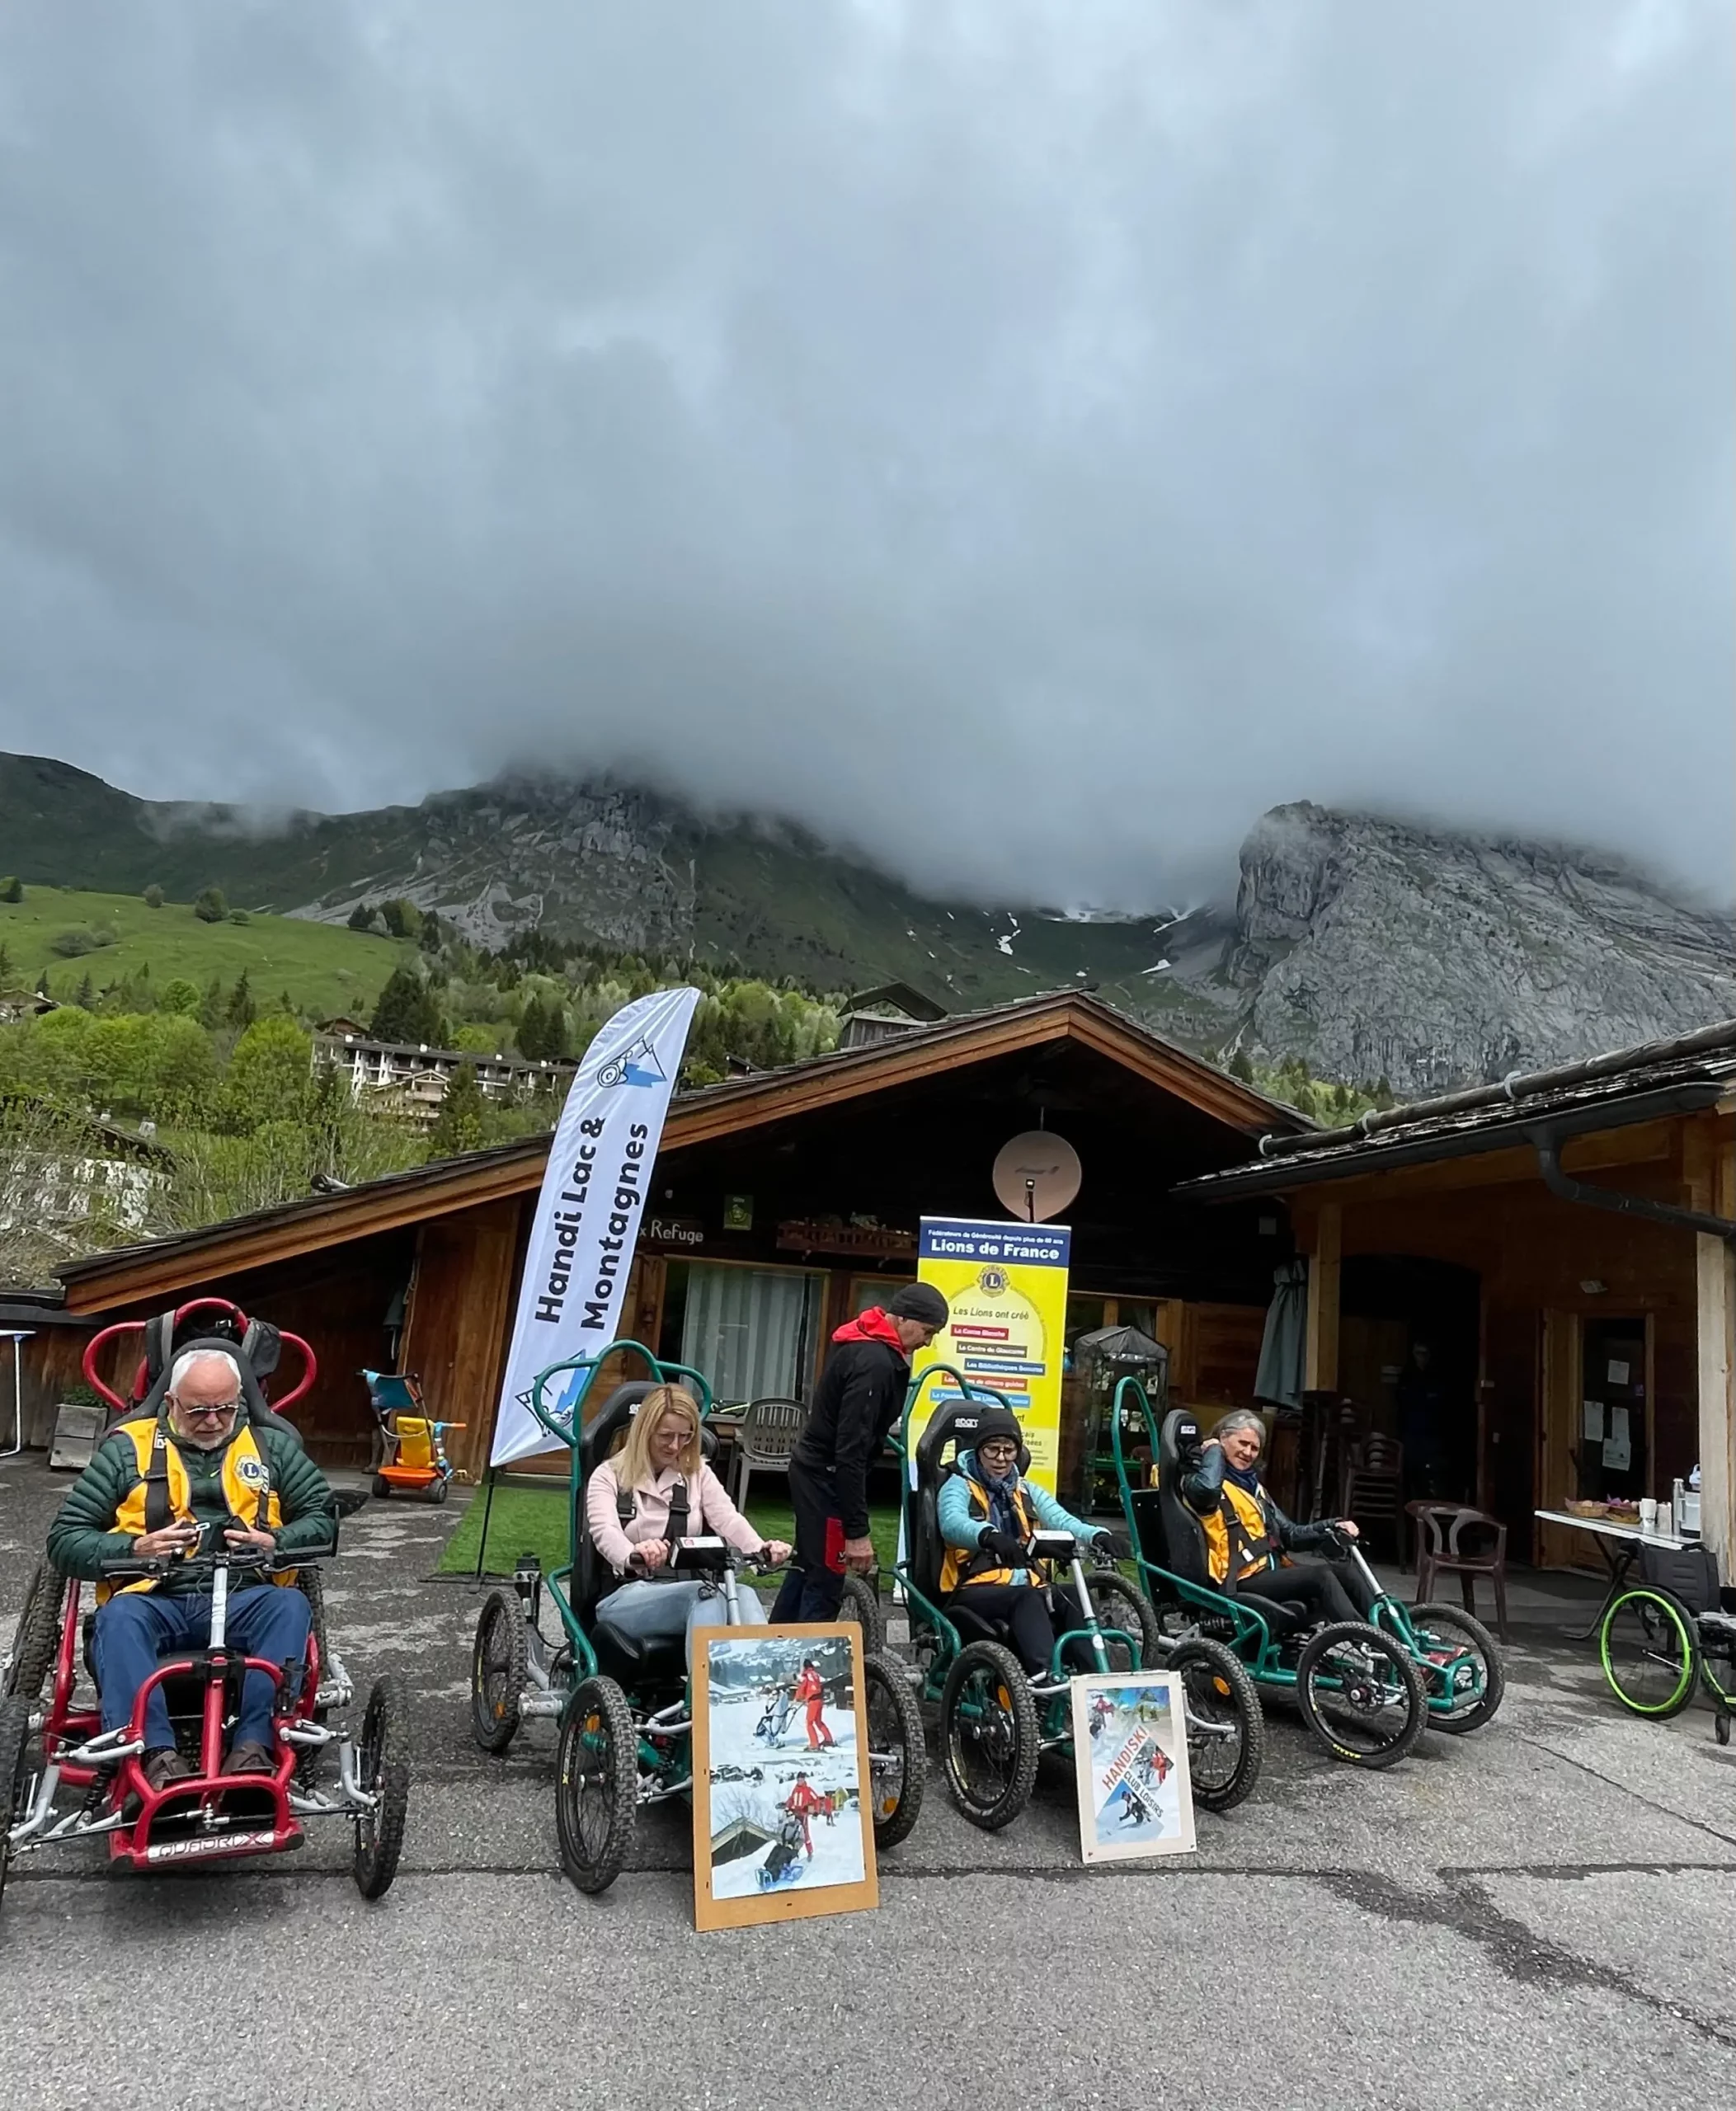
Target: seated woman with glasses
{"points": [[656, 1489], [987, 1512]]}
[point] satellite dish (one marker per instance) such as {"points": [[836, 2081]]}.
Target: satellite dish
{"points": [[1037, 1175]]}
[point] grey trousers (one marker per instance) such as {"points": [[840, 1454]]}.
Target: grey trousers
{"points": [[660, 1612]]}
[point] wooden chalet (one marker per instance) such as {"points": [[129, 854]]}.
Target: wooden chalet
{"points": [[1563, 1240], [781, 1203]]}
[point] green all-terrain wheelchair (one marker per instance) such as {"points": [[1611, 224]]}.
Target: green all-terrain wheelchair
{"points": [[623, 1707], [1366, 1689], [996, 1722]]}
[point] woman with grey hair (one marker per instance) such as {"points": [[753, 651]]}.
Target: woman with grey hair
{"points": [[1249, 1540]]}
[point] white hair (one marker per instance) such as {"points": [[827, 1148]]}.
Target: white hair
{"points": [[189, 1359]]}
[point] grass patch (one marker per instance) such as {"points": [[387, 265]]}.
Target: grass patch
{"points": [[533, 1520], [326, 968]]}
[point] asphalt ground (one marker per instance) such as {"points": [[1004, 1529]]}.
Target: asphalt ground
{"points": [[1542, 1912]]}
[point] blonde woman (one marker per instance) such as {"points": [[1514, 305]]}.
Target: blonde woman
{"points": [[628, 1504]]}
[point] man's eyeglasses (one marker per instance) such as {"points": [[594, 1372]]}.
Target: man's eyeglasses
{"points": [[210, 1410]]}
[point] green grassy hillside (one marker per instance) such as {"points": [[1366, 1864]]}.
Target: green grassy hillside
{"points": [[325, 968]]}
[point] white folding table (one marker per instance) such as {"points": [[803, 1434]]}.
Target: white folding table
{"points": [[1619, 1546]]}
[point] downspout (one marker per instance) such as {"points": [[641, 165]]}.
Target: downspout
{"points": [[1543, 1141]]}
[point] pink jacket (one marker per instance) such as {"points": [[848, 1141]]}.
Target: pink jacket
{"points": [[708, 1510]]}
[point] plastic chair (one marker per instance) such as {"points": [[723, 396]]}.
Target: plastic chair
{"points": [[765, 1437], [1372, 1490], [1441, 1552]]}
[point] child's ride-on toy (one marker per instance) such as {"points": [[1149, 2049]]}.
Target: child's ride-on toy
{"points": [[624, 1710], [996, 1721], [1358, 1686], [413, 1459]]}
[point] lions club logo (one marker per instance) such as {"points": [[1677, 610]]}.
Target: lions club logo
{"points": [[992, 1281], [251, 1474]]}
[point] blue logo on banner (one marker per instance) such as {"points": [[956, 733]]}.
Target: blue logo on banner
{"points": [[638, 1065]]}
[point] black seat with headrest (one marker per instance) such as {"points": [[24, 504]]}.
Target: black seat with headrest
{"points": [[592, 1575], [258, 1409], [952, 1428]]}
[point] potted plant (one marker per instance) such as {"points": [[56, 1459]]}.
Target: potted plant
{"points": [[77, 1427]]}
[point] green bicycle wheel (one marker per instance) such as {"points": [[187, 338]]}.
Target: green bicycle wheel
{"points": [[1650, 1649]]}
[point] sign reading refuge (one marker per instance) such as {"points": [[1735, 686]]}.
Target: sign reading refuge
{"points": [[1006, 1287], [586, 1225]]}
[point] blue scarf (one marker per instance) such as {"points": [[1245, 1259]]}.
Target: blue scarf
{"points": [[1247, 1478], [1002, 1516]]}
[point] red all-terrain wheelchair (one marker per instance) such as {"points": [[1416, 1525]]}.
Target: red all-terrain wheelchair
{"points": [[63, 1777]]}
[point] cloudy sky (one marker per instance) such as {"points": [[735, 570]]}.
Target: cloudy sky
{"points": [[1025, 438]]}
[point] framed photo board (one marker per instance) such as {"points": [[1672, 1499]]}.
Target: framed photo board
{"points": [[1130, 1748], [783, 1802]]}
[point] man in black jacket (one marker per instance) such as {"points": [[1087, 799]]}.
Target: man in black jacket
{"points": [[859, 1397]]}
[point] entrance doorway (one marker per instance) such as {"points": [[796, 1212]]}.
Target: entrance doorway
{"points": [[1408, 1352]]}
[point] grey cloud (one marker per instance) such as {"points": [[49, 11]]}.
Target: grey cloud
{"points": [[1021, 440]]}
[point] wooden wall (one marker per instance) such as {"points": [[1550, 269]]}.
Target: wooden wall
{"points": [[1535, 1255], [459, 1320]]}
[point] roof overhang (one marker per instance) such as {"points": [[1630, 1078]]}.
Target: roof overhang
{"points": [[130, 1275], [1432, 1144]]}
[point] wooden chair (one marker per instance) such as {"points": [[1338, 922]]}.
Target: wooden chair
{"points": [[1372, 1490], [765, 1437], [1442, 1528]]}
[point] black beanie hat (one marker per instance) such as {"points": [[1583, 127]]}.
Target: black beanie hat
{"points": [[997, 1422], [919, 1301]]}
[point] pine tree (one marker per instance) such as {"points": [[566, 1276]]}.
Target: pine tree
{"points": [[12, 888], [86, 996], [5, 965], [406, 1011], [42, 984], [458, 1126], [361, 918], [241, 1010], [210, 1005]]}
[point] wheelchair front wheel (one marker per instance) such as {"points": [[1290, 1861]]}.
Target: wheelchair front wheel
{"points": [[861, 1603], [498, 1670], [1226, 1725], [384, 1772], [596, 1784], [988, 1734], [15, 1732], [1649, 1644], [1118, 1605], [1463, 1677], [1360, 1693], [898, 1754]]}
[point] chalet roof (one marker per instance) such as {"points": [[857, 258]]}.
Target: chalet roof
{"points": [[1627, 1085], [736, 1105], [899, 996]]}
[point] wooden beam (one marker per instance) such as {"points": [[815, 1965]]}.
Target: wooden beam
{"points": [[1647, 1143], [1320, 1363], [1708, 1163]]}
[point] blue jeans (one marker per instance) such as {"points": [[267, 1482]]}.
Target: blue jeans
{"points": [[135, 1627], [658, 1612]]}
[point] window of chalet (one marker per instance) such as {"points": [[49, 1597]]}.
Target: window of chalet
{"points": [[753, 1332]]}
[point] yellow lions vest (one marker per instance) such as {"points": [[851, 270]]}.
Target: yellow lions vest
{"points": [[961, 1567], [1239, 1518], [246, 1487]]}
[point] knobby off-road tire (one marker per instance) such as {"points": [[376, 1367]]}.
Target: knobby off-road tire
{"points": [[37, 1635], [384, 1767], [1119, 1604], [499, 1663], [596, 1784], [898, 1756], [1222, 1769], [1360, 1693], [1446, 1627], [988, 1735], [15, 1729], [861, 1603]]}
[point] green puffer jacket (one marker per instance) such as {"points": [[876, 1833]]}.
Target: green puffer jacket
{"points": [[80, 1538]]}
